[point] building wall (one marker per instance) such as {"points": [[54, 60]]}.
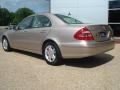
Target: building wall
{"points": [[87, 11]]}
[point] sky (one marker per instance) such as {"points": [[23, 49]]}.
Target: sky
{"points": [[37, 6]]}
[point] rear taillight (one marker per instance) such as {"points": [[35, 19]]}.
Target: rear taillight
{"points": [[84, 34]]}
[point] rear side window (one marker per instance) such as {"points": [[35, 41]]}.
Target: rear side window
{"points": [[68, 19], [41, 21]]}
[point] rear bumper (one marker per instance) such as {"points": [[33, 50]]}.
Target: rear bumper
{"points": [[85, 49]]}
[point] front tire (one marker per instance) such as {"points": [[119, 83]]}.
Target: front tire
{"points": [[5, 44], [52, 54]]}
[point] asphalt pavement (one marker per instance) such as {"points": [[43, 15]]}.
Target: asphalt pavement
{"points": [[26, 71]]}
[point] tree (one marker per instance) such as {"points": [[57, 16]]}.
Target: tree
{"points": [[4, 16], [21, 14], [12, 16]]}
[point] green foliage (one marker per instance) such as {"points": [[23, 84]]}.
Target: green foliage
{"points": [[7, 17], [21, 14], [12, 16], [4, 16]]}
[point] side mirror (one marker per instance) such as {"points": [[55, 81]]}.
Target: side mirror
{"points": [[12, 27]]}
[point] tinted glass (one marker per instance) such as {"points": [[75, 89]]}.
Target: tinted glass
{"points": [[26, 23], [68, 19], [114, 16], [114, 4], [41, 21]]}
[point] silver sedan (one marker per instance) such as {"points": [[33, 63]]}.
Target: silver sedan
{"points": [[58, 36]]}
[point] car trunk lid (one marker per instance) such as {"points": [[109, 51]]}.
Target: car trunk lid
{"points": [[100, 32]]}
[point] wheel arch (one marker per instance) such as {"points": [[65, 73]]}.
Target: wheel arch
{"points": [[5, 36], [51, 40]]}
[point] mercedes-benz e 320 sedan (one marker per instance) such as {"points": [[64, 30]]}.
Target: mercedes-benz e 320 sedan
{"points": [[58, 36]]}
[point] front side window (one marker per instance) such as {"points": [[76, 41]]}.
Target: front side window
{"points": [[68, 19], [26, 23], [41, 21]]}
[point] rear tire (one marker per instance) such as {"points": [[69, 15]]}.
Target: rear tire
{"points": [[52, 54], [5, 44]]}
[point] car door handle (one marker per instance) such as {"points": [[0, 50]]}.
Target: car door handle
{"points": [[43, 31]]}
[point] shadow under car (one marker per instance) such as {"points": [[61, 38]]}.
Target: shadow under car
{"points": [[88, 62]]}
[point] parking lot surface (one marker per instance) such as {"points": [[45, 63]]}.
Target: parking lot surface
{"points": [[26, 71]]}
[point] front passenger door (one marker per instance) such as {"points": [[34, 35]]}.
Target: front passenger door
{"points": [[20, 36]]}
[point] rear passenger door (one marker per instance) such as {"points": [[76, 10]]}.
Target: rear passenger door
{"points": [[40, 28]]}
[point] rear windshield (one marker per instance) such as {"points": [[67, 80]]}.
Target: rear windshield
{"points": [[68, 19]]}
